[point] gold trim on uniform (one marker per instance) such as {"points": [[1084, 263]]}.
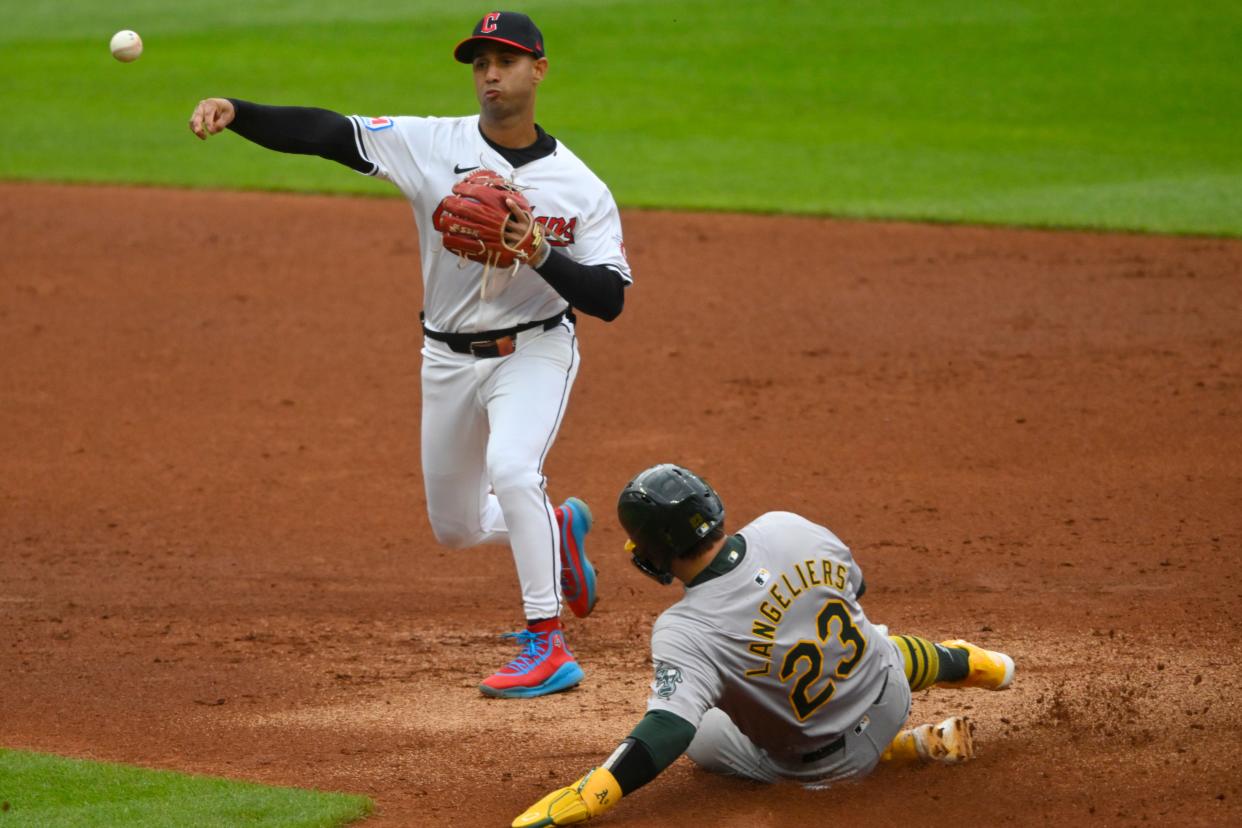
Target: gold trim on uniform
{"points": [[811, 573]]}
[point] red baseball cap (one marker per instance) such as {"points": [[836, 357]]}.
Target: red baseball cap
{"points": [[510, 28]]}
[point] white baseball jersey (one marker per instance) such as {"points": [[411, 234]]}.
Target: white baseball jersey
{"points": [[425, 156], [779, 642]]}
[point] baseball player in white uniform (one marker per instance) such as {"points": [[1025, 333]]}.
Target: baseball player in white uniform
{"points": [[767, 668], [500, 352]]}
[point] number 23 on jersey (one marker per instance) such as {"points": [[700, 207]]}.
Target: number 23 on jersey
{"points": [[804, 663]]}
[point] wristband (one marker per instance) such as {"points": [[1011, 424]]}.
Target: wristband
{"points": [[599, 791]]}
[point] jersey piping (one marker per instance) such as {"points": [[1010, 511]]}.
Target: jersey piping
{"points": [[362, 152]]}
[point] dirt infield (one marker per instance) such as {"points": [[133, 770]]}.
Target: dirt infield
{"points": [[216, 557]]}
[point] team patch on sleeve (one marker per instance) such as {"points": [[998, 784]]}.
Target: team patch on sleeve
{"points": [[376, 124], [667, 677]]}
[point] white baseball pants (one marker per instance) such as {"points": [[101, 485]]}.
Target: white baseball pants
{"points": [[487, 426]]}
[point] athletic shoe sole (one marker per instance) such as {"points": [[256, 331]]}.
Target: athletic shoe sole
{"points": [[951, 742], [577, 573], [567, 676]]}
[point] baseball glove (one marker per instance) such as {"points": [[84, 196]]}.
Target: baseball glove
{"points": [[473, 220], [590, 796]]}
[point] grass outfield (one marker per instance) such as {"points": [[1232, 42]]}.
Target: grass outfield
{"points": [[49, 792], [1055, 112]]}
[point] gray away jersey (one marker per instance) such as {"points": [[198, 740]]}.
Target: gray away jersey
{"points": [[779, 643], [425, 157]]}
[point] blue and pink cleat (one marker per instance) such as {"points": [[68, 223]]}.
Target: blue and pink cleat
{"points": [[544, 666], [577, 573]]}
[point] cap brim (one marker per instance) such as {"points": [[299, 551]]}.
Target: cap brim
{"points": [[464, 53]]}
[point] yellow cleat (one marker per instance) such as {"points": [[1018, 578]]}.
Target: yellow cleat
{"points": [[952, 741], [989, 669]]}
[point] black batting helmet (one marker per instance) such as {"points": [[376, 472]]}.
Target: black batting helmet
{"points": [[667, 510]]}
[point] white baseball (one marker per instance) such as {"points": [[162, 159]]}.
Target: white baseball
{"points": [[126, 46]]}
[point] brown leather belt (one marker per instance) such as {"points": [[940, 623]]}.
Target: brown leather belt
{"points": [[490, 344]]}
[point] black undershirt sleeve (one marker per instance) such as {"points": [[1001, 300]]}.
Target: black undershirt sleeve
{"points": [[301, 130], [654, 744], [596, 290]]}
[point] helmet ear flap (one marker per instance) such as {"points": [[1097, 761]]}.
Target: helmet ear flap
{"points": [[645, 566]]}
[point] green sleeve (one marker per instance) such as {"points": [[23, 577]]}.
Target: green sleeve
{"points": [[654, 744]]}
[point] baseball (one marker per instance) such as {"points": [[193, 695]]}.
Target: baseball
{"points": [[126, 46]]}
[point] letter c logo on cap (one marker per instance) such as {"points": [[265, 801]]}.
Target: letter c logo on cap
{"points": [[489, 23]]}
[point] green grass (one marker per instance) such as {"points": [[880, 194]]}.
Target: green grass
{"points": [[38, 791], [1095, 113]]}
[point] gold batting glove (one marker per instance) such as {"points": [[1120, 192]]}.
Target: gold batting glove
{"points": [[589, 796]]}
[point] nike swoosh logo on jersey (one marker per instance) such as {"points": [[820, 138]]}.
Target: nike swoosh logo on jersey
{"points": [[459, 169]]}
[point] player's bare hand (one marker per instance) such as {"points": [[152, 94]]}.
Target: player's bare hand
{"points": [[519, 228], [211, 115]]}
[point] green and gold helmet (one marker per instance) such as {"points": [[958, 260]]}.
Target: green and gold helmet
{"points": [[667, 511]]}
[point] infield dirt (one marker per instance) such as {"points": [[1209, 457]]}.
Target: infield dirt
{"points": [[216, 555]]}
